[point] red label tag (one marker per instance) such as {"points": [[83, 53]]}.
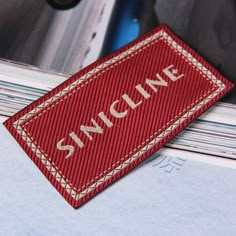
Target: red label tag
{"points": [[102, 122]]}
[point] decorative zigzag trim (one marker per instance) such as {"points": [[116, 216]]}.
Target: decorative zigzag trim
{"points": [[63, 182]]}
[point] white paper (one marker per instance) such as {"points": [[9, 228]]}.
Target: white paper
{"points": [[192, 197]]}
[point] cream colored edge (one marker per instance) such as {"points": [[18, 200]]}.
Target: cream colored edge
{"points": [[49, 166]]}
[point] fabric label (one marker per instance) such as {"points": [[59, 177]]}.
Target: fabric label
{"points": [[103, 121]]}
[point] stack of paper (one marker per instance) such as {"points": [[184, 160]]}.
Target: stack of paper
{"points": [[213, 133]]}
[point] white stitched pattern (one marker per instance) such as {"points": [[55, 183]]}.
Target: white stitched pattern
{"points": [[52, 102]]}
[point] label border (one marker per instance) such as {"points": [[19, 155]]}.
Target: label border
{"points": [[62, 179]]}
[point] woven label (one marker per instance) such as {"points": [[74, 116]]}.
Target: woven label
{"points": [[103, 121]]}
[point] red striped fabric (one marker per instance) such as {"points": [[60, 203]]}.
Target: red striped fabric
{"points": [[102, 122]]}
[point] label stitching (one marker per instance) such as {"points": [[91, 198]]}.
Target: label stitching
{"points": [[127, 155], [148, 139], [139, 145], [151, 144]]}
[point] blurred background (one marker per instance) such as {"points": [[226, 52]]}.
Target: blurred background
{"points": [[66, 35]]}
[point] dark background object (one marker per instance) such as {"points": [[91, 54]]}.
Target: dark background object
{"points": [[23, 26], [63, 4], [34, 33], [146, 16], [212, 33], [209, 28]]}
